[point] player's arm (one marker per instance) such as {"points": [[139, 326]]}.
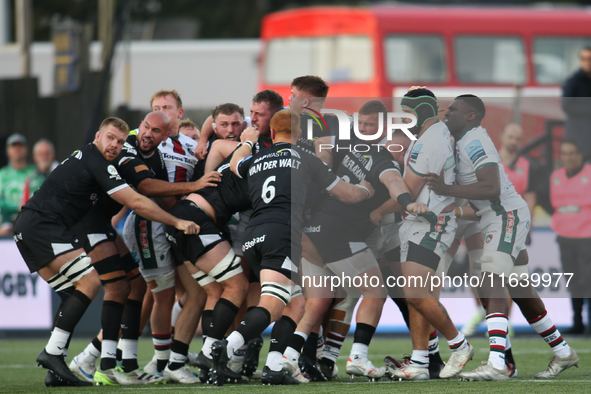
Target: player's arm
{"points": [[487, 187], [351, 194], [220, 149], [466, 212], [249, 137], [206, 133], [401, 194], [151, 187], [148, 209], [323, 148]]}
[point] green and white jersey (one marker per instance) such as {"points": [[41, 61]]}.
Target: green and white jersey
{"points": [[12, 182], [432, 152], [475, 150]]}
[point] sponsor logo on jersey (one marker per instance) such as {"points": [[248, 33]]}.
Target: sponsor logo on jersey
{"points": [[129, 148], [415, 153], [509, 227], [145, 244], [93, 196], [475, 151], [18, 237], [113, 171]]}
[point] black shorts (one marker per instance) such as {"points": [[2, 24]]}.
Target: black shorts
{"points": [[94, 229], [40, 239], [273, 246], [334, 238], [191, 247], [422, 256]]}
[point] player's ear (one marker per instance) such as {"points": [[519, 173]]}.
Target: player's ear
{"points": [[97, 135], [272, 134], [244, 124], [181, 113]]}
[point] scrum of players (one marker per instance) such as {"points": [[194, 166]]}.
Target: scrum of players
{"points": [[224, 229]]}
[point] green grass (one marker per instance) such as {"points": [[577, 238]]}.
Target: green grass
{"points": [[18, 373]]}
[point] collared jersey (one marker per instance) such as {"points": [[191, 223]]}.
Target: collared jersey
{"points": [[475, 150]]}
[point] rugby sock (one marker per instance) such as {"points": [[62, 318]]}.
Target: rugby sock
{"points": [[162, 349], [111, 323], [543, 325], [254, 323], [420, 358], [497, 334], [206, 320], [130, 331], [320, 343], [57, 342], [223, 315], [362, 338], [92, 352], [178, 355], [459, 344], [401, 303], [67, 317], [238, 355], [508, 353], [310, 346], [176, 311], [332, 346], [433, 342], [282, 332], [292, 352]]}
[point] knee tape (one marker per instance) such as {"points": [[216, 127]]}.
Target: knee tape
{"points": [[296, 291], [202, 278], [282, 292], [77, 268], [227, 268], [497, 262], [343, 311], [58, 282], [475, 258], [518, 270]]}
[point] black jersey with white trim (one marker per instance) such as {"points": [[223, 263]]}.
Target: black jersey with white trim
{"points": [[271, 174], [354, 167], [231, 194], [71, 190]]}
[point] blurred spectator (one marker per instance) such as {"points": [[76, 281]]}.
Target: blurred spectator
{"points": [[44, 159], [570, 194], [190, 129], [577, 107], [12, 181], [520, 170]]}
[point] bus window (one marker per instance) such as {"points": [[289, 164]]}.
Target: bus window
{"points": [[335, 59], [485, 59], [415, 58], [557, 57]]}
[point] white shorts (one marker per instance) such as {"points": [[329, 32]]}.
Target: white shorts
{"points": [[466, 229], [436, 238], [504, 238], [147, 243], [158, 282], [384, 238]]}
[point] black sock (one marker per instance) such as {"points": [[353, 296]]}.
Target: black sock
{"points": [[296, 342], [401, 303], [160, 365], [310, 346], [71, 311], [435, 358], [222, 317], [281, 335], [363, 333], [111, 322], [509, 356], [254, 323], [206, 320], [97, 344], [130, 329], [64, 295], [180, 348]]}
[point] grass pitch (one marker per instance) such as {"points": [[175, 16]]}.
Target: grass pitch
{"points": [[19, 374]]}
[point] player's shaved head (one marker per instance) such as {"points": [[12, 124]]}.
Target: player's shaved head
{"points": [[158, 117]]}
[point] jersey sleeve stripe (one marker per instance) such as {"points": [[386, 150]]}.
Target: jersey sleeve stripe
{"points": [[484, 165], [116, 189], [386, 170], [332, 185]]}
